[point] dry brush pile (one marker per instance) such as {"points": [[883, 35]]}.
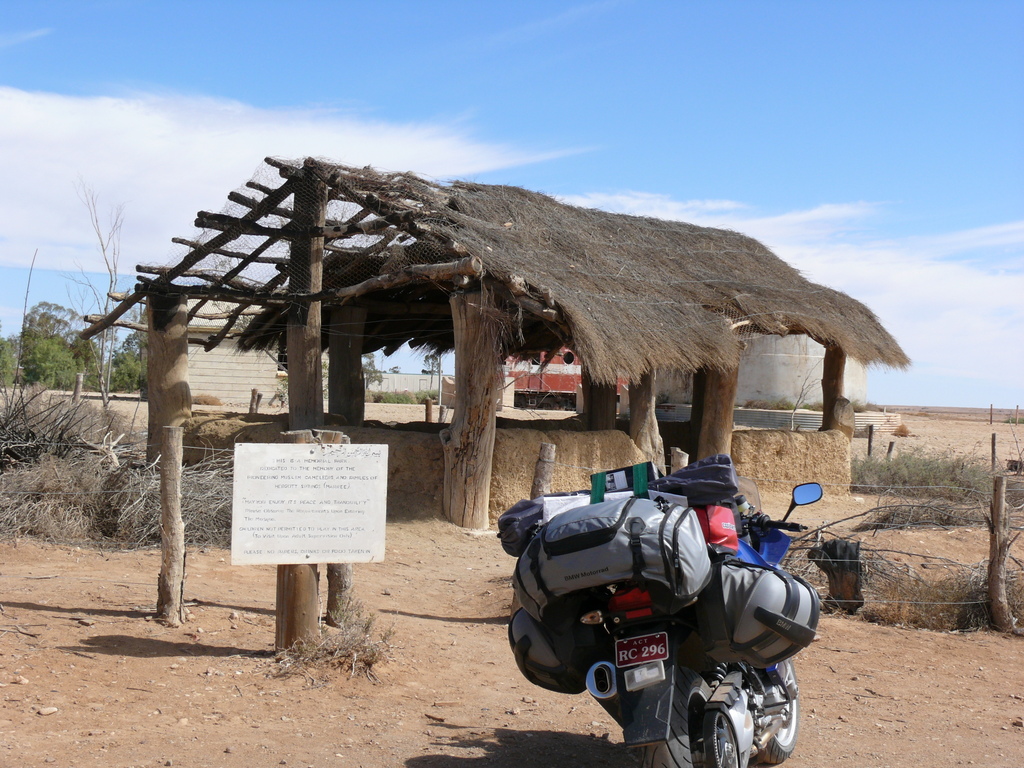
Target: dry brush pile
{"points": [[919, 491], [68, 474]]}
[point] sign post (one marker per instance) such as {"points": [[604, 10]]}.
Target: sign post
{"points": [[304, 504]]}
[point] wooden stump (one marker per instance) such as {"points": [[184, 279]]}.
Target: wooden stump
{"points": [[840, 560], [543, 470]]}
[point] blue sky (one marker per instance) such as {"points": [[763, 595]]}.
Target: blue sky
{"points": [[876, 146]]}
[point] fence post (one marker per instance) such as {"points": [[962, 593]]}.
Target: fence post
{"points": [[339, 575], [298, 599], [871, 438], [543, 470], [429, 410], [76, 394], [888, 453], [994, 452], [170, 606], [999, 546]]}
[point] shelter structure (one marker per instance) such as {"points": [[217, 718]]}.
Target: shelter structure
{"points": [[314, 255]]}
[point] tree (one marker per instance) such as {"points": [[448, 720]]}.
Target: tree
{"points": [[50, 362], [51, 352], [432, 367], [8, 362], [108, 237], [371, 374], [127, 365]]}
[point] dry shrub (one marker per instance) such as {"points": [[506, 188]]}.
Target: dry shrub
{"points": [[955, 602], [57, 498], [35, 422], [206, 493], [206, 400], [353, 646], [76, 498], [908, 513], [902, 431], [928, 475]]}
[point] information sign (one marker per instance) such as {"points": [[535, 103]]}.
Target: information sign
{"points": [[308, 503]]}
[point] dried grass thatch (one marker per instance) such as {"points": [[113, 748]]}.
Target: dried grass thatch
{"points": [[630, 294]]}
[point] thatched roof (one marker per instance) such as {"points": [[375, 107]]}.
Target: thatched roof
{"points": [[628, 293]]}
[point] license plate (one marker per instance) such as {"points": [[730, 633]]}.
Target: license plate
{"points": [[641, 649]]}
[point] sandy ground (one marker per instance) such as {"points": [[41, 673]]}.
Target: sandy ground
{"points": [[88, 679]]}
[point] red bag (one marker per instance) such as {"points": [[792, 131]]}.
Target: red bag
{"points": [[719, 527]]}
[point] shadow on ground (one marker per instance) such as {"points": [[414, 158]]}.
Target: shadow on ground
{"points": [[517, 749]]}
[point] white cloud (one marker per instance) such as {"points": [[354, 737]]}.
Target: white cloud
{"points": [[17, 38], [953, 300], [167, 156]]}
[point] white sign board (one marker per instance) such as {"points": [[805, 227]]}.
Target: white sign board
{"points": [[308, 503]]}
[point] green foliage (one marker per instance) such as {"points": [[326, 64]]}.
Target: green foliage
{"points": [[931, 475], [781, 404], [400, 398], [423, 394], [129, 373], [49, 362], [8, 362]]}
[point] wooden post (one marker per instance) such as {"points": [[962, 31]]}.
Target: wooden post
{"points": [[643, 419], [76, 394], [254, 401], [841, 563], [170, 400], [170, 605], [999, 547], [468, 444], [600, 403], [700, 380], [994, 462], [719, 401], [429, 410], [991, 413], [871, 437], [305, 275], [680, 459], [346, 386], [339, 575], [298, 599], [832, 371], [543, 470], [888, 453]]}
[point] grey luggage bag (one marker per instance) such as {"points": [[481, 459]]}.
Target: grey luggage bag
{"points": [[756, 614], [658, 546]]}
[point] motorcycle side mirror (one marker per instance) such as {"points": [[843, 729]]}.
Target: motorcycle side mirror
{"points": [[804, 494]]}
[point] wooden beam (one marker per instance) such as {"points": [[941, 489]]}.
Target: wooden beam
{"points": [[471, 267], [252, 258], [719, 401], [468, 445], [270, 201], [112, 317]]}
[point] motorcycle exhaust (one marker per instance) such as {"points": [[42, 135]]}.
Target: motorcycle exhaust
{"points": [[601, 681]]}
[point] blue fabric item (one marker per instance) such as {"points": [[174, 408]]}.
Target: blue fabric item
{"points": [[708, 481]]}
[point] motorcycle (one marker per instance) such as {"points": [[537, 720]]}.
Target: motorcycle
{"points": [[682, 629]]}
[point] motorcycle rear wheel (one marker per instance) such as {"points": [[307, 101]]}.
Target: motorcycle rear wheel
{"points": [[721, 747], [687, 714], [781, 745]]}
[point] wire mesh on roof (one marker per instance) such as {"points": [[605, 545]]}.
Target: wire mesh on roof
{"points": [[628, 293]]}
